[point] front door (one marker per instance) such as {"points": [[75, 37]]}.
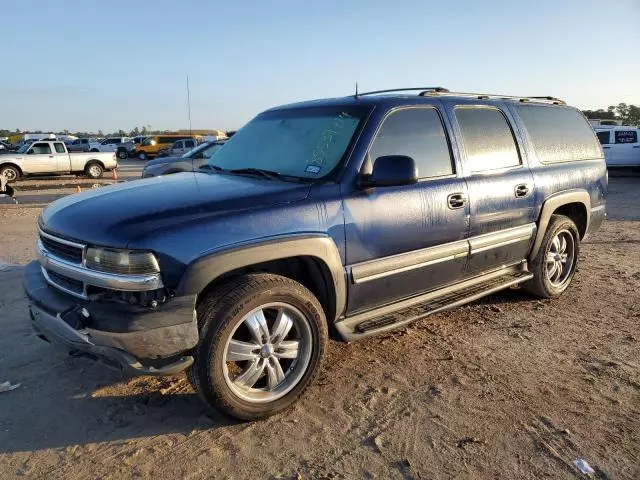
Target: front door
{"points": [[501, 188], [404, 240], [40, 158]]}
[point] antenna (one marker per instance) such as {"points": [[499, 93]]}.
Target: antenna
{"points": [[189, 104], [356, 95]]}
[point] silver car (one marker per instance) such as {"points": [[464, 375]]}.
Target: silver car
{"points": [[191, 160]]}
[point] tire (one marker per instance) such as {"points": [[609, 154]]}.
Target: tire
{"points": [[10, 172], [123, 154], [94, 150], [555, 263], [93, 170], [280, 333], [143, 156]]}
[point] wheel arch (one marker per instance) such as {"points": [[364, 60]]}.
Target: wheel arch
{"points": [[10, 164], [575, 204], [94, 160], [313, 261]]}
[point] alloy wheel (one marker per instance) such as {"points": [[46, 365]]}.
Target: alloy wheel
{"points": [[560, 258], [267, 353]]}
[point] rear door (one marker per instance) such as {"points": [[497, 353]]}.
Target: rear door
{"points": [[625, 150], [40, 159], [62, 157], [404, 240], [500, 187]]}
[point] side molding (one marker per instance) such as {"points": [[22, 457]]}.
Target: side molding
{"points": [[202, 272], [374, 269], [550, 205]]}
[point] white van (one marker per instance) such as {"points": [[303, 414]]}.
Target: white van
{"points": [[620, 145]]}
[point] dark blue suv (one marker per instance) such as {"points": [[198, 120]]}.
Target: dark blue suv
{"points": [[356, 215]]}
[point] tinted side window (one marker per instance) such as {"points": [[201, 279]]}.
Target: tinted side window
{"points": [[59, 147], [559, 134], [419, 134], [487, 138], [626, 136], [41, 148], [189, 144], [166, 139], [603, 137]]}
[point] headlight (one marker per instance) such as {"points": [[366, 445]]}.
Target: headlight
{"points": [[123, 262]]}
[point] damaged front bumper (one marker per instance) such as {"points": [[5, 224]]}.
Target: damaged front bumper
{"points": [[136, 339]]}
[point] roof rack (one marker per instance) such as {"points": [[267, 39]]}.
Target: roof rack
{"points": [[483, 96], [391, 90], [437, 91]]}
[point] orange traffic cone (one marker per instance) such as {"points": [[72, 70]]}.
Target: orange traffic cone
{"points": [[78, 189], [114, 174]]}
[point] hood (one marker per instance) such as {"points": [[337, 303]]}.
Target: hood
{"points": [[161, 160], [117, 215]]}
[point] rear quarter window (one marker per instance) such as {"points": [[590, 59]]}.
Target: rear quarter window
{"points": [[559, 134]]}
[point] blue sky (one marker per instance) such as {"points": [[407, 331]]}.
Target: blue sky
{"points": [[88, 65]]}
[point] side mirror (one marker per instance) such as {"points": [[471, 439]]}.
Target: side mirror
{"points": [[30, 152], [389, 171]]}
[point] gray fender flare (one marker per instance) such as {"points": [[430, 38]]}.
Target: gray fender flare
{"points": [[550, 205], [203, 271]]}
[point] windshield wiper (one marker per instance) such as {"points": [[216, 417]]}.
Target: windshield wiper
{"points": [[269, 174], [208, 166]]}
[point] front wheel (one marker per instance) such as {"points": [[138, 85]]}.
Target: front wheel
{"points": [[556, 261], [123, 155], [10, 173], [142, 156], [262, 341], [93, 170]]}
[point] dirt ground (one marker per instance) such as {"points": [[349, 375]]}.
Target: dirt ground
{"points": [[507, 387]]}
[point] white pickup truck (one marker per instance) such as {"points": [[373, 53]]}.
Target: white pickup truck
{"points": [[108, 144], [53, 158]]}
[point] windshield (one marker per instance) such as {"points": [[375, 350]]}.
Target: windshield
{"points": [[301, 142], [148, 141], [206, 150]]}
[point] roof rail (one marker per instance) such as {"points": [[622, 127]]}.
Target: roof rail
{"points": [[545, 99], [391, 90], [437, 91]]}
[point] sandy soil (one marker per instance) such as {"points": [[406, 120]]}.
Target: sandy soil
{"points": [[507, 387]]}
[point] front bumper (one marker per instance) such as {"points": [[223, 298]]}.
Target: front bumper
{"points": [[137, 340]]}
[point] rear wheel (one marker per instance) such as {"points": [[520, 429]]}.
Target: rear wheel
{"points": [[556, 261], [123, 154], [10, 173], [142, 156], [262, 341], [93, 170]]}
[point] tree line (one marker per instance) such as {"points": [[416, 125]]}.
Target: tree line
{"points": [[628, 114], [119, 133]]}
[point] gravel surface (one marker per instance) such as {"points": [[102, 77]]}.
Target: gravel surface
{"points": [[507, 387]]}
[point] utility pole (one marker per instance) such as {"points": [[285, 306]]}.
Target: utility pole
{"points": [[189, 104]]}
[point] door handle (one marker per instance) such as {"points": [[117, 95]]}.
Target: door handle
{"points": [[521, 190], [636, 146], [457, 200], [50, 156], [606, 148]]}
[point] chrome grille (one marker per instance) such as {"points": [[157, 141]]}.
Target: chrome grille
{"points": [[63, 249]]}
